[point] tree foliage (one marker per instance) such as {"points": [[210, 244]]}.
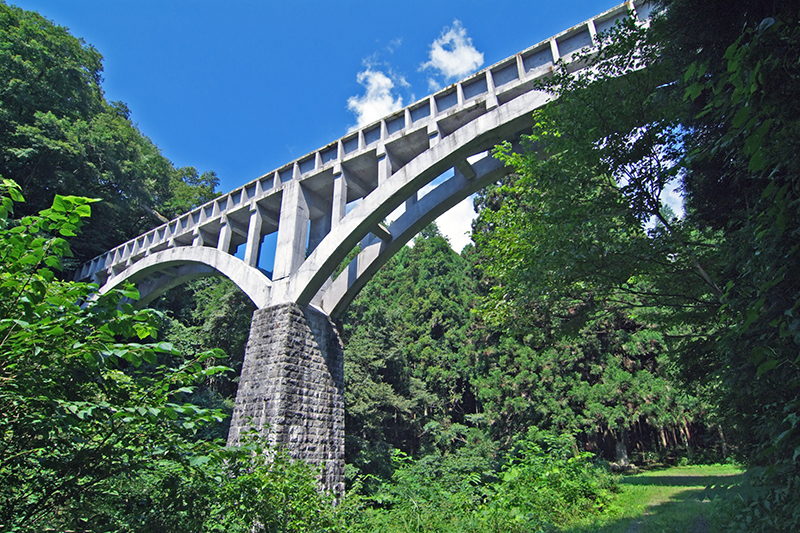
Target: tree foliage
{"points": [[59, 136], [713, 112], [406, 353], [84, 401]]}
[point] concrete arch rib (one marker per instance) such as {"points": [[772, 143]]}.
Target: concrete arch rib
{"points": [[159, 272], [346, 286], [504, 122]]}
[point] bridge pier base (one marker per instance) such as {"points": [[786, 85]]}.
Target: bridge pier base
{"points": [[291, 388]]}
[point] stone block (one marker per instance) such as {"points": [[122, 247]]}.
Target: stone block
{"points": [[291, 389]]}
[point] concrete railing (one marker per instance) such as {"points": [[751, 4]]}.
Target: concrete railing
{"points": [[307, 199]]}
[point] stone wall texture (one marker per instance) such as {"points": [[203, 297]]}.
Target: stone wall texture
{"points": [[292, 388]]}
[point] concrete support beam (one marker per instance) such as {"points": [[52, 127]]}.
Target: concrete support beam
{"points": [[554, 50], [411, 200], [592, 31], [198, 239], [491, 98], [290, 250], [384, 166], [433, 135], [382, 232], [253, 247], [466, 169], [225, 234], [339, 204]]}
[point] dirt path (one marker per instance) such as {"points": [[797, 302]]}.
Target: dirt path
{"points": [[676, 499], [700, 524]]}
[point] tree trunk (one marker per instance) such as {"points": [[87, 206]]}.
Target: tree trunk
{"points": [[723, 444], [685, 434], [621, 447]]}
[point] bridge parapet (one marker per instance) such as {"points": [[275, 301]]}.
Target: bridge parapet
{"points": [[291, 385], [307, 199]]}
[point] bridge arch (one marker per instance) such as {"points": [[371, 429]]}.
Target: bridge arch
{"points": [[158, 272], [466, 151], [291, 386]]}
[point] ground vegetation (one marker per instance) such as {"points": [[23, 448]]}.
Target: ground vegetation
{"points": [[589, 327]]}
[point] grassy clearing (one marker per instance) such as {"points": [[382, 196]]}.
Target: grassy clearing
{"points": [[675, 499]]}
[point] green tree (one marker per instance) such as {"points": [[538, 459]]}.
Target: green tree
{"points": [[603, 285], [60, 136], [713, 110], [406, 354], [100, 429], [81, 403]]}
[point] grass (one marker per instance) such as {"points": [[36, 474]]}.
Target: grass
{"points": [[677, 499]]}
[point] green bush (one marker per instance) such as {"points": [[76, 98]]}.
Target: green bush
{"points": [[543, 482]]}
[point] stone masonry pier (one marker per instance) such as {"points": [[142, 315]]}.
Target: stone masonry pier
{"points": [[292, 386], [375, 188]]}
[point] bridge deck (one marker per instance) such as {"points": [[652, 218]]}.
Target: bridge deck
{"points": [[320, 185]]}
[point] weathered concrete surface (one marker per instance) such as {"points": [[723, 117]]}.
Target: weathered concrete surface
{"points": [[291, 388], [309, 205], [291, 383]]}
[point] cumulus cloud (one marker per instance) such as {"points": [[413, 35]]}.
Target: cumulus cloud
{"points": [[378, 100], [453, 54], [456, 224]]}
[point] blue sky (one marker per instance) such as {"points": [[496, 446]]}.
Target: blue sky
{"points": [[243, 87]]}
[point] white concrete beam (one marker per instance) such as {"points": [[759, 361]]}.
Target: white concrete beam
{"points": [[339, 202], [292, 231], [225, 235], [253, 246]]}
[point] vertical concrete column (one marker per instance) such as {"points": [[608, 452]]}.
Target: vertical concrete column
{"points": [[384, 165], [198, 237], [433, 134], [554, 50], [339, 204], [290, 249], [411, 200], [593, 32], [520, 67], [318, 229], [225, 234], [291, 389], [491, 97], [251, 253]]}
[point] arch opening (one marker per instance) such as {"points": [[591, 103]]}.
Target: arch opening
{"points": [[161, 271]]}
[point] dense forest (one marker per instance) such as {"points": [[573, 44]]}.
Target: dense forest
{"points": [[587, 330]]}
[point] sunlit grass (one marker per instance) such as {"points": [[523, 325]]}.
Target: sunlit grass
{"points": [[674, 499]]}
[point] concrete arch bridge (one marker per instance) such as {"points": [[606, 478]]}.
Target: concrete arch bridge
{"points": [[316, 210]]}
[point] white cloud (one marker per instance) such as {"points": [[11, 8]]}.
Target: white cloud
{"points": [[456, 224], [394, 44], [453, 54], [378, 101], [672, 196]]}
